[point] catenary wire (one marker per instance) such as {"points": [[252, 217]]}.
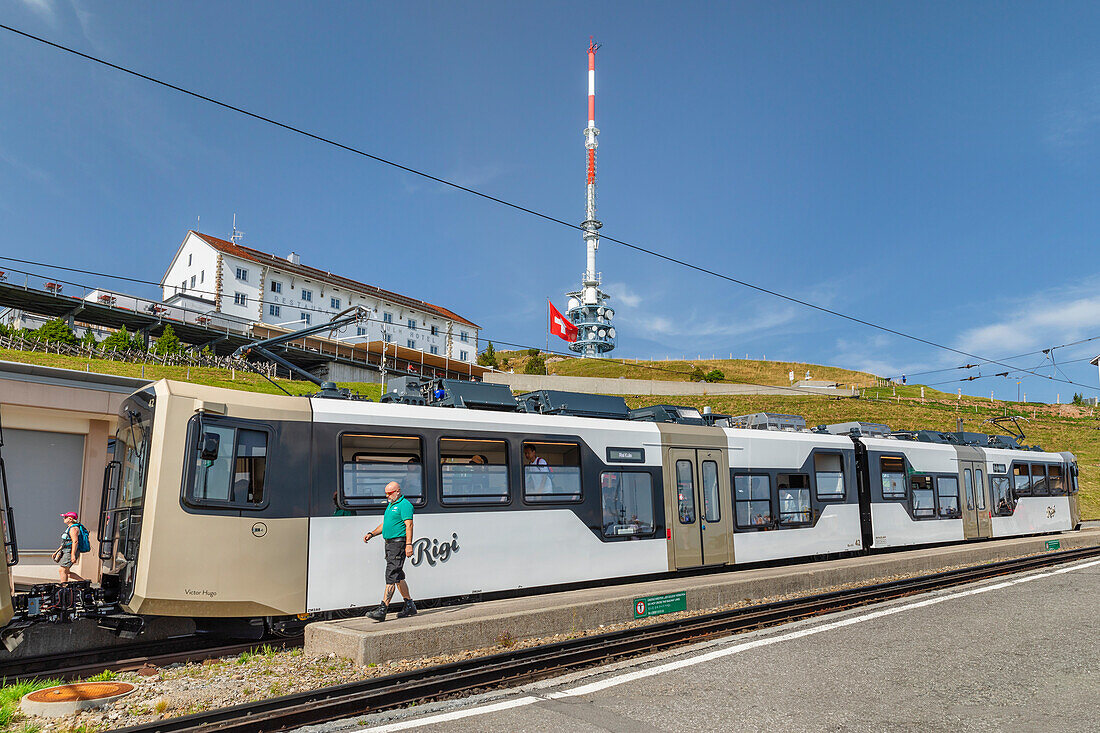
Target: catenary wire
{"points": [[504, 202], [651, 367], [1049, 349], [314, 309]]}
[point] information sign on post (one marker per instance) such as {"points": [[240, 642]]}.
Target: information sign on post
{"points": [[1054, 545], [658, 605]]}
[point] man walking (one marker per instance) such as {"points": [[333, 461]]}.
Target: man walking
{"points": [[397, 531]]}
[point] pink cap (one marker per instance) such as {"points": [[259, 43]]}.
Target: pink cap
{"points": [[68, 514]]}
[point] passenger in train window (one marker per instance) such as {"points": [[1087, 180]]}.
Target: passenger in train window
{"points": [[540, 481]]}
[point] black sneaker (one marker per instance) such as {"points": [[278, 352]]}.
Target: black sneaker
{"points": [[378, 614], [408, 610]]}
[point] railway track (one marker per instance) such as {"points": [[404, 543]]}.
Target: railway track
{"points": [[526, 665], [128, 658]]}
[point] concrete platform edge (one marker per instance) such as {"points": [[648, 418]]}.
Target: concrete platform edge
{"points": [[456, 629]]}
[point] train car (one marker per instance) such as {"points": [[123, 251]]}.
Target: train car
{"points": [[231, 505], [938, 489]]}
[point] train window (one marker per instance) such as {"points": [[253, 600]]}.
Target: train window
{"points": [[893, 478], [924, 503], [369, 462], [230, 466], [712, 512], [829, 475], [551, 471], [685, 492], [1039, 479], [1073, 478], [752, 500], [473, 471], [968, 481], [794, 498], [979, 487], [1021, 480], [627, 498], [999, 468], [1054, 480], [948, 489], [1001, 487]]}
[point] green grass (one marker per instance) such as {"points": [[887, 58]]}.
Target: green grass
{"points": [[11, 694], [209, 376], [105, 676]]}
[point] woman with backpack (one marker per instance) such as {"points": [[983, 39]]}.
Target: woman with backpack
{"points": [[74, 541]]}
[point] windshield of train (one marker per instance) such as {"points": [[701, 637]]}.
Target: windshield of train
{"points": [[124, 489]]}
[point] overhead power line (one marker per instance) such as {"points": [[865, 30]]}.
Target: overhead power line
{"points": [[504, 202], [651, 367]]}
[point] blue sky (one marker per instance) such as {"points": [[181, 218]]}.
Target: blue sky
{"points": [[931, 167]]}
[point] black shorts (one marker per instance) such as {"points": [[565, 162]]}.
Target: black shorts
{"points": [[395, 560]]}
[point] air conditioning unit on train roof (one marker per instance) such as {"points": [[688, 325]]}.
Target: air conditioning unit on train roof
{"points": [[450, 393], [856, 429], [768, 421], [668, 413]]}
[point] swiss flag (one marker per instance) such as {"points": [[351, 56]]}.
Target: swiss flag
{"points": [[560, 325]]}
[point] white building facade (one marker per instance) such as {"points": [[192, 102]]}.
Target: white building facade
{"points": [[228, 279]]}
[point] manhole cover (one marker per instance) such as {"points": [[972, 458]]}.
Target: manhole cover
{"points": [[67, 699]]}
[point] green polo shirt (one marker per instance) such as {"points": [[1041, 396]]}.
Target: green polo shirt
{"points": [[393, 521]]}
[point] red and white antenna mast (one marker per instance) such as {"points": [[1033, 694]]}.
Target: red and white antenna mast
{"points": [[587, 307]]}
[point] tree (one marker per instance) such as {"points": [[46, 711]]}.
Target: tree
{"points": [[167, 343], [488, 357], [697, 374], [88, 341], [536, 364], [715, 375], [118, 341], [1077, 399], [56, 331]]}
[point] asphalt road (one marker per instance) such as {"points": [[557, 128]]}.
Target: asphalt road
{"points": [[1020, 656]]}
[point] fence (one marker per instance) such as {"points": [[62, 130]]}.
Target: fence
{"points": [[187, 357]]}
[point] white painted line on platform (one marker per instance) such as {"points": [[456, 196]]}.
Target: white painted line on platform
{"points": [[623, 679]]}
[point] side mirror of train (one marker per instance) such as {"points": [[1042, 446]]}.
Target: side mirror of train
{"points": [[209, 447]]}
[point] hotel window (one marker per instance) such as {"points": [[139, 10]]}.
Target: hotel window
{"points": [[334, 303], [188, 260], [306, 317], [192, 281], [240, 299], [202, 276], [273, 310], [387, 318], [307, 295], [386, 338], [463, 337], [411, 344], [360, 331], [464, 355], [276, 286], [435, 330], [412, 323], [433, 349], [183, 286], [242, 274]]}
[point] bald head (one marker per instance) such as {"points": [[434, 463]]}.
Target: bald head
{"points": [[393, 490]]}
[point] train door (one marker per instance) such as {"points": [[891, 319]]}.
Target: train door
{"points": [[974, 502], [701, 508], [1069, 486]]}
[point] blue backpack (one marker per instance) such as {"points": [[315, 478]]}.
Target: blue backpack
{"points": [[83, 545]]}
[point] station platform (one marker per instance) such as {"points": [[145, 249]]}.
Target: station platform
{"points": [[459, 628]]}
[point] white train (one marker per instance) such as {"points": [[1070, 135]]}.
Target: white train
{"points": [[231, 505]]}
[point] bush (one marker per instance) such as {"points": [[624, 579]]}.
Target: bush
{"points": [[697, 374], [56, 331], [536, 364], [88, 341], [715, 375], [488, 358], [120, 340], [167, 343], [1077, 399]]}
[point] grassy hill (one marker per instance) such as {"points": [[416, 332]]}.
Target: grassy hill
{"points": [[247, 381], [744, 371]]}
